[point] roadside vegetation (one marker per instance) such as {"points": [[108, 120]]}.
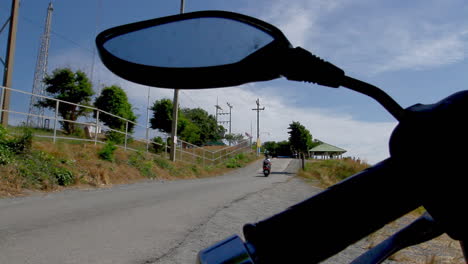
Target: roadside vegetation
{"points": [[36, 164], [329, 172], [32, 165]]}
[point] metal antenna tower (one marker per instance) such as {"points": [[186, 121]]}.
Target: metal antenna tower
{"points": [[40, 73]]}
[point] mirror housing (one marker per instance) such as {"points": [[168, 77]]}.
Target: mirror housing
{"points": [[261, 64]]}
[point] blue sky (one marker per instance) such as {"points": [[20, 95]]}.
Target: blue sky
{"points": [[414, 50]]}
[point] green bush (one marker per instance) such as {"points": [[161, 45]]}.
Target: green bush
{"points": [[241, 156], [142, 163], [146, 168], [78, 132], [233, 163], [23, 142], [6, 155], [195, 169], [162, 163], [158, 144], [135, 158], [41, 170], [3, 133], [64, 177], [237, 161], [108, 151], [116, 137], [13, 145]]}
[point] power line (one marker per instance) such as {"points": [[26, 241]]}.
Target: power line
{"points": [[191, 99], [98, 23], [32, 22], [217, 110]]}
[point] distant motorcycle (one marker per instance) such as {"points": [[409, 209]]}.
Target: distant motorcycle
{"points": [[266, 167]]}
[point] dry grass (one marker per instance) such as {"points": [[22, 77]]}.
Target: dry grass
{"points": [[329, 172], [10, 185]]}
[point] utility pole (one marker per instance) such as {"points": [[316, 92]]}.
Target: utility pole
{"points": [[222, 113], [10, 57], [148, 119], [258, 109], [230, 108], [175, 109]]}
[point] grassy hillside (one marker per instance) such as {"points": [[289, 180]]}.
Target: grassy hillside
{"points": [[27, 164], [329, 172]]}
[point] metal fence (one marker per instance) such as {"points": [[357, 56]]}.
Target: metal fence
{"points": [[90, 129], [190, 153]]}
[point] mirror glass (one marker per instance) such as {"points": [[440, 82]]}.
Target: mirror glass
{"points": [[197, 42]]}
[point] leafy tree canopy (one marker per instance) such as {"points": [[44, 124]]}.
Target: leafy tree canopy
{"points": [[114, 100], [299, 137], [195, 126], [208, 128], [188, 131], [234, 138], [282, 148], [74, 87], [162, 115]]}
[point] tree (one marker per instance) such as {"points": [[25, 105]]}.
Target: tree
{"points": [[270, 147], [162, 120], [74, 87], [114, 100], [234, 138], [299, 138], [188, 131], [282, 148], [158, 144], [195, 126], [162, 115], [209, 130]]}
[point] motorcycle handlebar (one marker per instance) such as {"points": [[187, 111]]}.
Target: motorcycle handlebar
{"points": [[335, 218]]}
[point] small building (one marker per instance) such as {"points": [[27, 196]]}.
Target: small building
{"points": [[90, 130], [326, 151]]}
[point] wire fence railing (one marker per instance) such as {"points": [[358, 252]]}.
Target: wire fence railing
{"points": [[190, 153], [89, 128]]}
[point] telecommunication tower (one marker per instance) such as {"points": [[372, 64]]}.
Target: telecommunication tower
{"points": [[40, 73]]}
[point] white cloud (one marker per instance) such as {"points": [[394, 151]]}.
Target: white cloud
{"points": [[374, 37], [428, 52], [298, 19]]}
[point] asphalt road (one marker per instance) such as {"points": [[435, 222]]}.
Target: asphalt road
{"points": [[148, 222]]}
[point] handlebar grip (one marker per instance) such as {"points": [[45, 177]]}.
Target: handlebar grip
{"points": [[349, 211]]}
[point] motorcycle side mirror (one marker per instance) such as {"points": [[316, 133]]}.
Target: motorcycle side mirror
{"points": [[205, 49]]}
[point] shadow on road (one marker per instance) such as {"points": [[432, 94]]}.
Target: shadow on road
{"points": [[275, 172], [282, 172]]}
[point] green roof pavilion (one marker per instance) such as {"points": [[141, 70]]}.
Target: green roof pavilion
{"points": [[326, 151]]}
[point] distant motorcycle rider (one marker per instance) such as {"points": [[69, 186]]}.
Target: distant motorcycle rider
{"points": [[267, 161]]}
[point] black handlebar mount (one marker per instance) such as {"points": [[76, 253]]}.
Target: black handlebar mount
{"points": [[431, 144]]}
